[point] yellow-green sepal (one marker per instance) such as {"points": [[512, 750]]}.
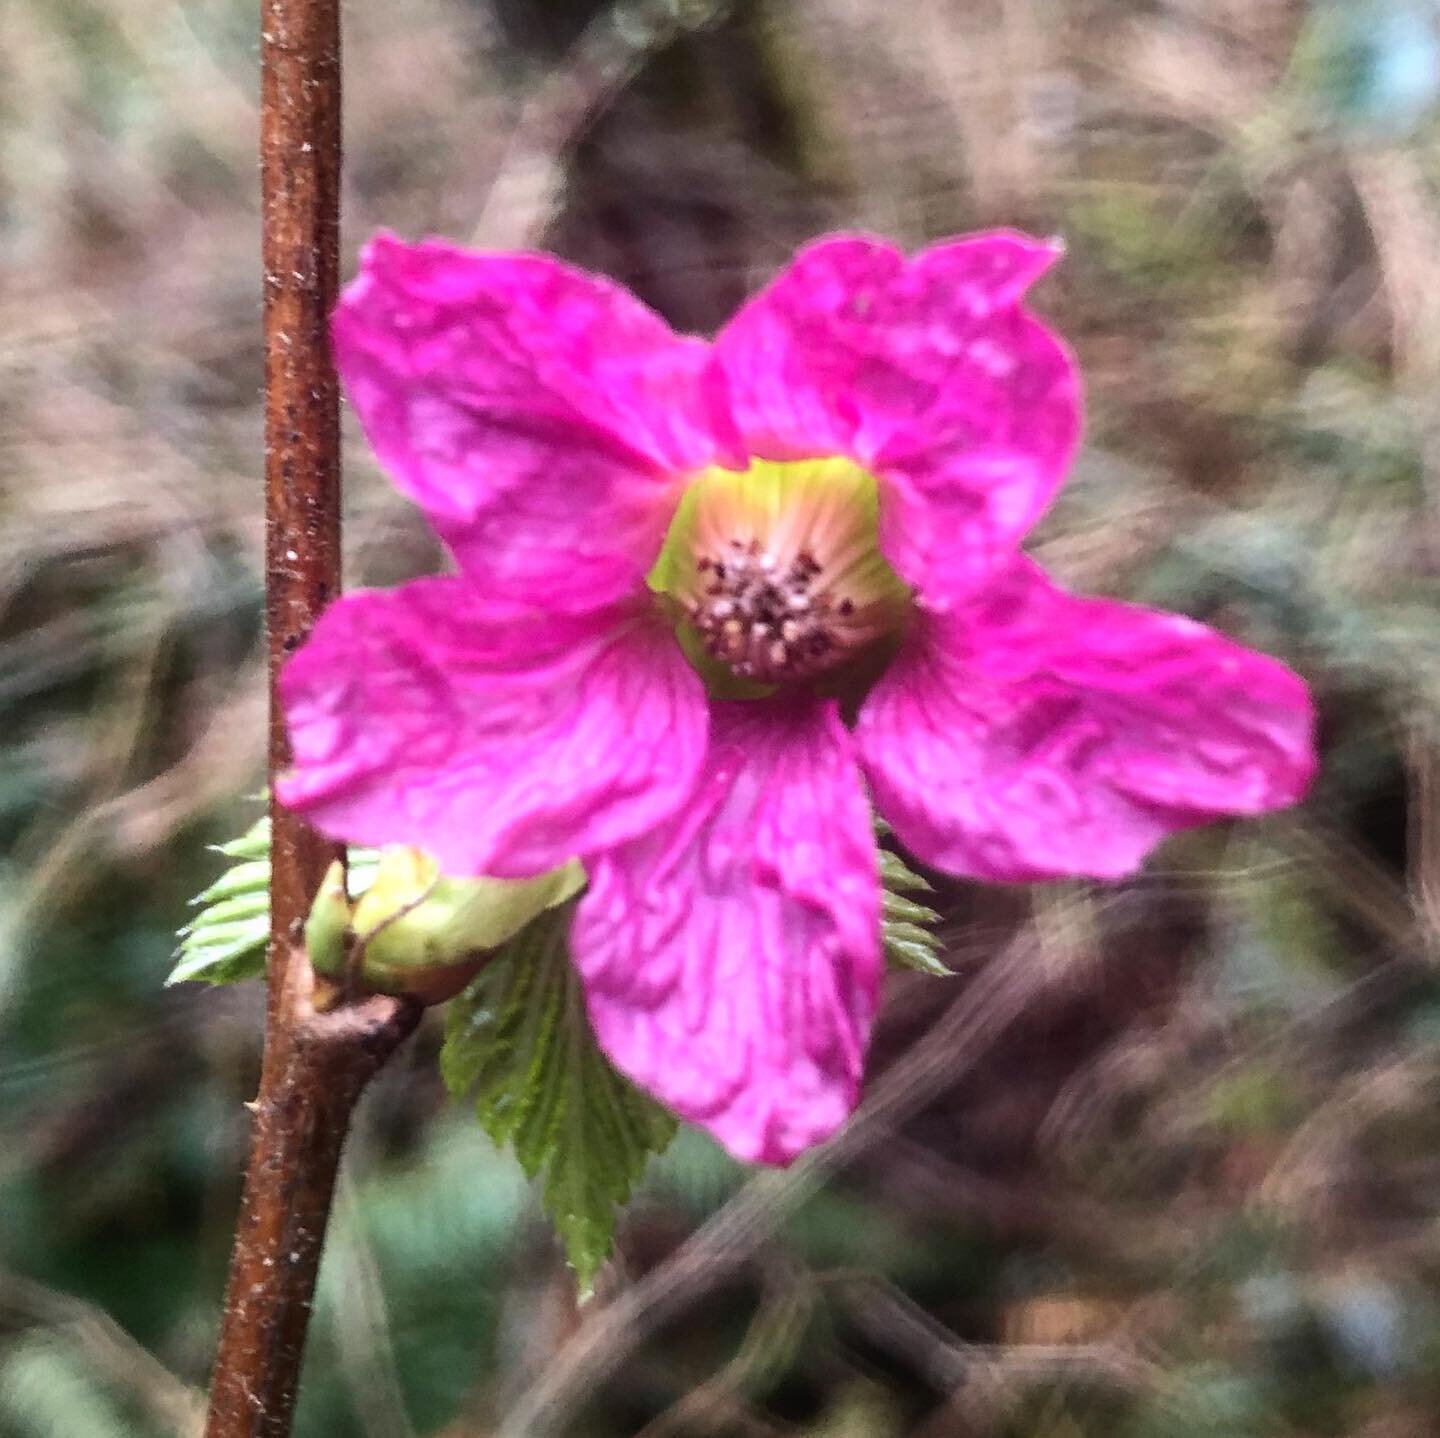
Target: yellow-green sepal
{"points": [[416, 931], [328, 923]]}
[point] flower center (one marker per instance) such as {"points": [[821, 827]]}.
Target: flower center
{"points": [[766, 623], [777, 572]]}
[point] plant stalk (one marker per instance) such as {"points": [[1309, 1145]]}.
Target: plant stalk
{"points": [[319, 1054], [316, 1065]]}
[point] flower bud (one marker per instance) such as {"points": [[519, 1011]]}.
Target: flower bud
{"points": [[414, 931], [329, 919]]}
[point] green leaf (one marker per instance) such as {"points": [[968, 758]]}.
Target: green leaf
{"points": [[905, 924], [223, 958], [225, 942], [517, 1042], [254, 843], [897, 909], [918, 955], [898, 877], [250, 877]]}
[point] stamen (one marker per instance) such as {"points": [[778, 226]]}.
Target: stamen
{"points": [[774, 621], [778, 571]]}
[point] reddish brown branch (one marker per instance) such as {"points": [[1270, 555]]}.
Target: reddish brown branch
{"points": [[316, 1063], [300, 198]]}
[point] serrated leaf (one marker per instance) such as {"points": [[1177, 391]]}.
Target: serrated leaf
{"points": [[898, 877], [250, 877], [901, 932], [239, 909], [519, 1044], [254, 843], [225, 942], [918, 955], [906, 928], [221, 960], [898, 909]]}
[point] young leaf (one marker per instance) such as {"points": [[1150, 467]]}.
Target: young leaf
{"points": [[225, 942], [518, 1042], [906, 925], [254, 843], [920, 955], [898, 877], [223, 953]]}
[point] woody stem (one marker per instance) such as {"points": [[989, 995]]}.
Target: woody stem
{"points": [[316, 1062]]}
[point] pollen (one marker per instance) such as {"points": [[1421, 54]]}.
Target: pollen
{"points": [[778, 570], [770, 620]]}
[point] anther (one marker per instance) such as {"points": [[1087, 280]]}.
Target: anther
{"points": [[767, 621]]}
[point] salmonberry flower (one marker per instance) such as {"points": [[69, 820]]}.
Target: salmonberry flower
{"points": [[713, 601]]}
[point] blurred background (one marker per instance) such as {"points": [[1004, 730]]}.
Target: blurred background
{"points": [[1161, 1160]]}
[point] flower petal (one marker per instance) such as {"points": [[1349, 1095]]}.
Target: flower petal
{"points": [[543, 417], [928, 372], [1036, 734], [415, 719], [731, 958]]}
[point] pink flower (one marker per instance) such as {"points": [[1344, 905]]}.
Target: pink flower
{"points": [[714, 599]]}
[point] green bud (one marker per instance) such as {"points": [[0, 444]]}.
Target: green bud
{"points": [[329, 920], [415, 931]]}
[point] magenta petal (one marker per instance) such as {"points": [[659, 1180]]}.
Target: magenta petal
{"points": [[929, 372], [731, 959], [504, 750], [1035, 734], [543, 417]]}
